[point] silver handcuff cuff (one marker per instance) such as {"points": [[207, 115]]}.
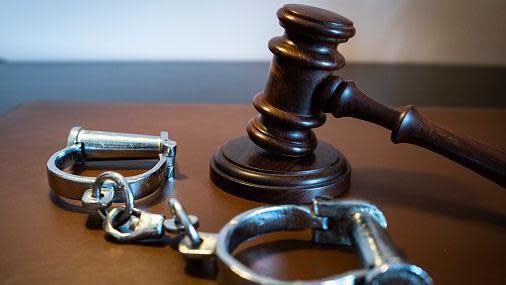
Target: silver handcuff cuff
{"points": [[350, 223], [85, 145]]}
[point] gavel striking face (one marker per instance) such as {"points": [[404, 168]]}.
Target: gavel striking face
{"points": [[285, 162], [301, 88]]}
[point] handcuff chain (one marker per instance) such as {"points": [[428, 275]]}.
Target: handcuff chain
{"points": [[127, 223], [100, 198], [182, 222]]}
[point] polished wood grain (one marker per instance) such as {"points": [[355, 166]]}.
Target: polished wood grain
{"points": [[304, 57], [301, 88], [445, 218], [410, 126], [248, 171]]}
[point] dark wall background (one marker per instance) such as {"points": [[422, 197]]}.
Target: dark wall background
{"points": [[237, 82]]}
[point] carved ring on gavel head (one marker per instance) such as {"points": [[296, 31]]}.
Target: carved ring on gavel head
{"points": [[304, 57], [282, 161]]}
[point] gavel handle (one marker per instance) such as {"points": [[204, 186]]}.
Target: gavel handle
{"points": [[409, 126]]}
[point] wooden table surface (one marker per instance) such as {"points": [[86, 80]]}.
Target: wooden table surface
{"points": [[446, 219]]}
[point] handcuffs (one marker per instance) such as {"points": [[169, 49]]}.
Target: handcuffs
{"points": [[85, 145], [349, 223]]}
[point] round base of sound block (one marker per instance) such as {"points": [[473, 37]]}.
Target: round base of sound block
{"points": [[243, 169]]}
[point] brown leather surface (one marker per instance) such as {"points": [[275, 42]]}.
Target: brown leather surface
{"points": [[446, 219]]}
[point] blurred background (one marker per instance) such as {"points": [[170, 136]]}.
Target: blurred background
{"points": [[216, 51]]}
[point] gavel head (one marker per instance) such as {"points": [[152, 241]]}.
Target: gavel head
{"points": [[304, 57]]}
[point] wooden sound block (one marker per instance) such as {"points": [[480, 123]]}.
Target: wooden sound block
{"points": [[243, 169]]}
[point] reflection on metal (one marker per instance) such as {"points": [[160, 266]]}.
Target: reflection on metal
{"points": [[85, 145], [352, 223]]}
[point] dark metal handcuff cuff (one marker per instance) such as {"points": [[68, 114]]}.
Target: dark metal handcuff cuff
{"points": [[350, 223]]}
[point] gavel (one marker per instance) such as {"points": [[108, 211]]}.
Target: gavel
{"points": [[302, 87]]}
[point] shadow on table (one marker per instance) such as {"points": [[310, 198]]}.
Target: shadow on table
{"points": [[430, 192]]}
